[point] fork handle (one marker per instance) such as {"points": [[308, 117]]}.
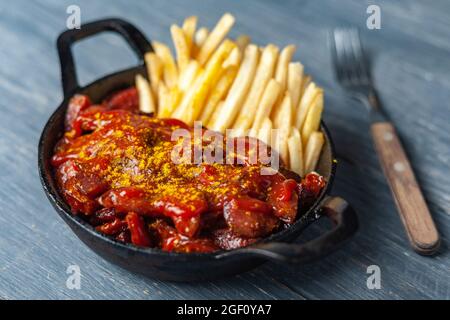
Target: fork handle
{"points": [[410, 202]]}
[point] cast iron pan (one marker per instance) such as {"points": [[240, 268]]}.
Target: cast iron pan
{"points": [[179, 266]]}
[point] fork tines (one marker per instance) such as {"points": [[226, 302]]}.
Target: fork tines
{"points": [[349, 60]]}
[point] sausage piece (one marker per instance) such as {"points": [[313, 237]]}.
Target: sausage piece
{"points": [[249, 217]]}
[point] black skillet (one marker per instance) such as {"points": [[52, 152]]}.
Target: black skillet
{"points": [[178, 266]]}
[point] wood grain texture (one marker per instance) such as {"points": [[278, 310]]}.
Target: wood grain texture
{"points": [[408, 197], [411, 70]]}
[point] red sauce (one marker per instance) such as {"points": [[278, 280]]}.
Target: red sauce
{"points": [[114, 169]]}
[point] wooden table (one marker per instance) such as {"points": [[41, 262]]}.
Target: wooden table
{"points": [[411, 68]]}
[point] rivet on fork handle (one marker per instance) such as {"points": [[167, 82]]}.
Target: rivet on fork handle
{"points": [[408, 197]]}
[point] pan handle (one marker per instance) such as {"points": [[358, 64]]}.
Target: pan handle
{"points": [[345, 225], [137, 41]]}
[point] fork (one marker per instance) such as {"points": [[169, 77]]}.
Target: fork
{"points": [[352, 72]]}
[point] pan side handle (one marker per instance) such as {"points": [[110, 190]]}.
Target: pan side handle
{"points": [[135, 38]]}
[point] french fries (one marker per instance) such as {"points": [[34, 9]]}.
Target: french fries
{"points": [[146, 103], [265, 131], [313, 149], [238, 90], [279, 143], [181, 109], [295, 149], [215, 37], [209, 78], [312, 121], [281, 73], [305, 103], [171, 99], [181, 46], [200, 36], [170, 69], [188, 75], [219, 92], [283, 116], [268, 99], [233, 59], [154, 70], [189, 26], [295, 77], [263, 74], [282, 121], [163, 97], [226, 84], [305, 82]]}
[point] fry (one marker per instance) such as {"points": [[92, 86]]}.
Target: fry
{"points": [[154, 70], [242, 42], [279, 143], [305, 103], [181, 46], [312, 121], [263, 74], [215, 114], [188, 75], [171, 99], [200, 36], [313, 149], [146, 103], [268, 99], [219, 92], [282, 66], [209, 78], [295, 152], [212, 73], [265, 131], [189, 26], [170, 71], [305, 83], [163, 100], [215, 37], [188, 96], [295, 75], [238, 90], [282, 122], [233, 59], [283, 116]]}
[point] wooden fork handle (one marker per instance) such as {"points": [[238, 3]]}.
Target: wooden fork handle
{"points": [[411, 205]]}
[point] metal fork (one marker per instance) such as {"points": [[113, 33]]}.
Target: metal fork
{"points": [[352, 72]]}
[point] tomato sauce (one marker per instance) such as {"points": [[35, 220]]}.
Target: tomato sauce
{"points": [[114, 168]]}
